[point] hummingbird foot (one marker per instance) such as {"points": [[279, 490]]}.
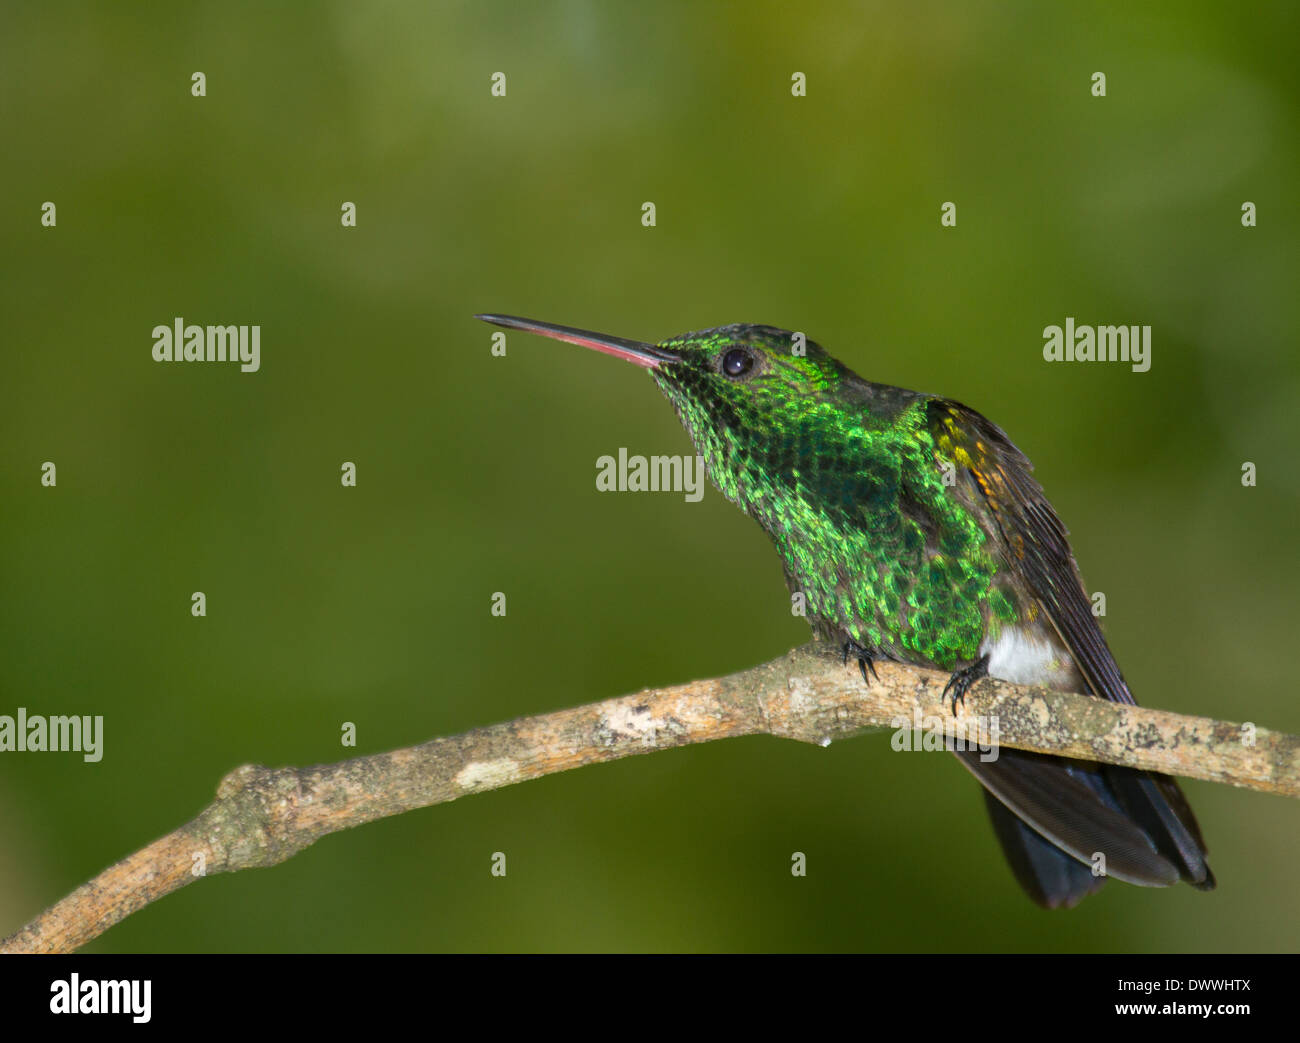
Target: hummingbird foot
{"points": [[865, 658], [961, 680]]}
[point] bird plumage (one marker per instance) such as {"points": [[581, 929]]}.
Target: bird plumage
{"points": [[915, 531]]}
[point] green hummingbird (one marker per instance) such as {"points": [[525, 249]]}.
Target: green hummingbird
{"points": [[915, 532]]}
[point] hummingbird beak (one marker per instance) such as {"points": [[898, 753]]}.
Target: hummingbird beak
{"points": [[642, 354]]}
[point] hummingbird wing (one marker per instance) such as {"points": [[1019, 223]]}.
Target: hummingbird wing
{"points": [[1079, 807]]}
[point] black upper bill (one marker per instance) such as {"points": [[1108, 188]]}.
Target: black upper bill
{"points": [[647, 355]]}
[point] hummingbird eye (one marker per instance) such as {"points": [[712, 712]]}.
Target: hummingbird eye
{"points": [[737, 362]]}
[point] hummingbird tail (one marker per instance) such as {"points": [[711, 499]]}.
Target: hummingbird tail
{"points": [[1157, 804], [1056, 819], [1046, 873]]}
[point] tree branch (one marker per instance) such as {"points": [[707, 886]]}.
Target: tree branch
{"points": [[262, 816]]}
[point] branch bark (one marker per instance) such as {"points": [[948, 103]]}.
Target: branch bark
{"points": [[262, 816]]}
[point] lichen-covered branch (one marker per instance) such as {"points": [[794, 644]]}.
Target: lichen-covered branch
{"points": [[262, 816]]}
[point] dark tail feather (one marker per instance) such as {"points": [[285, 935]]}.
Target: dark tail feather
{"points": [[1048, 875], [1049, 811], [1157, 804]]}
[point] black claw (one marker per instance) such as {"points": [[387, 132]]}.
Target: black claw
{"points": [[960, 682], [866, 661]]}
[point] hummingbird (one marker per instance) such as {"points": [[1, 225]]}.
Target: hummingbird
{"points": [[916, 532]]}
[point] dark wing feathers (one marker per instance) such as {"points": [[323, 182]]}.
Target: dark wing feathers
{"points": [[1118, 807], [1033, 537]]}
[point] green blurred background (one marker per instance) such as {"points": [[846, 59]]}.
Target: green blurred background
{"points": [[476, 474]]}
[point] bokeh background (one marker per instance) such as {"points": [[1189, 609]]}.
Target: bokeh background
{"points": [[476, 474]]}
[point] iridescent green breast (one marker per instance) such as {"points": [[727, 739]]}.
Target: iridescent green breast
{"points": [[880, 547]]}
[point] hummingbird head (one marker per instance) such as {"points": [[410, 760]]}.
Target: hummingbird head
{"points": [[743, 378], [758, 402], [746, 382]]}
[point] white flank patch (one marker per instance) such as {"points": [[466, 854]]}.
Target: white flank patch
{"points": [[1026, 658]]}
